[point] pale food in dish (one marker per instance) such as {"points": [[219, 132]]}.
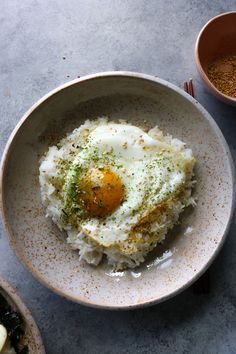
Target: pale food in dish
{"points": [[116, 189], [11, 330], [5, 345]]}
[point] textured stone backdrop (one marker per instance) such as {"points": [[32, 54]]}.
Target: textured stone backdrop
{"points": [[45, 43]]}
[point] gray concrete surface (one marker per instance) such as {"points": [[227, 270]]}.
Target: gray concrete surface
{"points": [[45, 43]]}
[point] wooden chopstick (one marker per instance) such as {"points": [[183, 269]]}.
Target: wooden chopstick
{"points": [[188, 87], [191, 92]]}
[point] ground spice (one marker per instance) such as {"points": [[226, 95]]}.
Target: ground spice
{"points": [[222, 73]]}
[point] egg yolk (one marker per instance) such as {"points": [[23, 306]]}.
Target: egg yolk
{"points": [[101, 192]]}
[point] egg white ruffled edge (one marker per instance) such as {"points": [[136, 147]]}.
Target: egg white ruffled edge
{"points": [[89, 250]]}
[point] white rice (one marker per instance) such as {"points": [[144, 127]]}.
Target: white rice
{"points": [[88, 249]]}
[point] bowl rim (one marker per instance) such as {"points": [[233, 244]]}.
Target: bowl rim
{"points": [[198, 61], [4, 160], [9, 292]]}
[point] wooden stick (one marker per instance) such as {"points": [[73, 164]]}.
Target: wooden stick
{"points": [[186, 86], [191, 92]]}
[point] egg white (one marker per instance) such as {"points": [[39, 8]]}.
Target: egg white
{"points": [[146, 167], [154, 170]]}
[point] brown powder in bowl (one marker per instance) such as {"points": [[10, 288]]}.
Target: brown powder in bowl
{"points": [[222, 74]]}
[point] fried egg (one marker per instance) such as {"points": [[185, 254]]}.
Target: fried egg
{"points": [[116, 189]]}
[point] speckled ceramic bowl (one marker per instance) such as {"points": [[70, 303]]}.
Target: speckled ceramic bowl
{"points": [[32, 336], [189, 249]]}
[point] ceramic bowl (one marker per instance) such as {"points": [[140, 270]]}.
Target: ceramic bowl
{"points": [[189, 249], [32, 336], [216, 39]]}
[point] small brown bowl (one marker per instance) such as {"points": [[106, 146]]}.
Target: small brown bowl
{"points": [[216, 39]]}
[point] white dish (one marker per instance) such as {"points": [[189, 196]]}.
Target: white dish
{"points": [[190, 248]]}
